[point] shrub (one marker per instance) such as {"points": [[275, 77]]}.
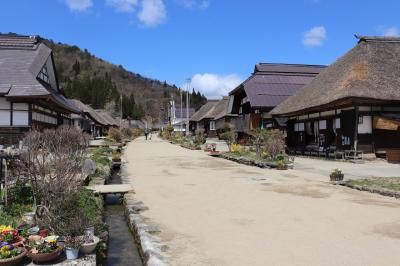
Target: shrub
{"points": [[199, 137], [72, 213], [53, 160], [275, 143], [236, 148], [115, 134], [136, 132], [228, 134], [258, 139]]}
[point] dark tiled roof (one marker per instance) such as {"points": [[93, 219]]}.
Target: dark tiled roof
{"points": [[288, 68], [370, 70], [21, 59], [271, 84], [178, 111], [18, 42]]}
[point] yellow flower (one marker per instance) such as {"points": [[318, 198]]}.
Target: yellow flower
{"points": [[5, 228], [52, 241], [4, 248]]}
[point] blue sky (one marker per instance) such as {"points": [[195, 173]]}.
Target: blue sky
{"points": [[215, 42]]}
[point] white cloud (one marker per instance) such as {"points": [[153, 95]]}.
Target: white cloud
{"points": [[79, 5], [128, 6], [196, 4], [315, 36], [389, 31], [152, 12], [213, 85]]}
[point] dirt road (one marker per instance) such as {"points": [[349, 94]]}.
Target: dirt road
{"points": [[216, 212]]}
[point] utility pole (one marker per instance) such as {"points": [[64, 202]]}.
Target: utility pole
{"points": [[120, 100], [187, 106], [181, 124]]}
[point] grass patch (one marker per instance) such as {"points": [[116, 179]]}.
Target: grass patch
{"points": [[390, 183]]}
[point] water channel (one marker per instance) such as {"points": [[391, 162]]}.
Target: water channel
{"points": [[122, 249]]}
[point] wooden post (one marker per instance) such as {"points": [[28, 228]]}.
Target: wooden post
{"points": [[356, 128]]}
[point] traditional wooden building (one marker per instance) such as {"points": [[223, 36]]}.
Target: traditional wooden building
{"points": [[108, 119], [223, 116], [354, 104], [204, 118], [212, 116], [268, 86], [29, 91], [88, 119]]}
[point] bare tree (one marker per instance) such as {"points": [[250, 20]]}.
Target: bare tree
{"points": [[258, 138], [53, 160], [275, 143]]}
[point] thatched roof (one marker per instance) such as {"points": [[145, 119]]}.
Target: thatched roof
{"points": [[222, 108], [89, 111], [368, 72], [204, 111], [107, 118]]}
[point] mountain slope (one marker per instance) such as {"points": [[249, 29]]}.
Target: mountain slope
{"points": [[75, 66]]}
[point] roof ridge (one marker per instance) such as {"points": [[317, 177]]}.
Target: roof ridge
{"points": [[363, 38], [293, 64]]}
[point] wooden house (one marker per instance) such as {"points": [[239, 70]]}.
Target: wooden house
{"points": [[354, 104], [88, 119], [268, 86], [29, 92], [204, 118], [212, 116], [108, 119]]}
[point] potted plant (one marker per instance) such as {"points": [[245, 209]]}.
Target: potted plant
{"points": [[116, 156], [89, 243], [10, 236], [10, 251], [72, 245], [280, 165], [336, 175], [44, 250], [10, 255]]}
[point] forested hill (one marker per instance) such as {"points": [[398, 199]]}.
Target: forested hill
{"points": [[99, 83]]}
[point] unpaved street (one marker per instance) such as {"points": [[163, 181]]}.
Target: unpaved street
{"points": [[216, 212]]}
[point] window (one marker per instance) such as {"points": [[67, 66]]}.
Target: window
{"points": [[299, 127], [360, 119], [322, 124], [212, 125], [44, 75], [337, 123]]}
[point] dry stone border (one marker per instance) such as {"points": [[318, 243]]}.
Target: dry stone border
{"points": [[145, 232], [381, 191]]}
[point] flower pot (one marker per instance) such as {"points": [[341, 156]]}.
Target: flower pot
{"points": [[90, 247], [89, 231], [14, 260], [337, 177], [45, 257], [44, 233], [282, 167], [72, 253]]}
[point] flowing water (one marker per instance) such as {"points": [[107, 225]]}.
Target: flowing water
{"points": [[122, 249]]}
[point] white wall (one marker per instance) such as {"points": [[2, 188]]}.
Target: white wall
{"points": [[366, 126], [4, 112]]}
